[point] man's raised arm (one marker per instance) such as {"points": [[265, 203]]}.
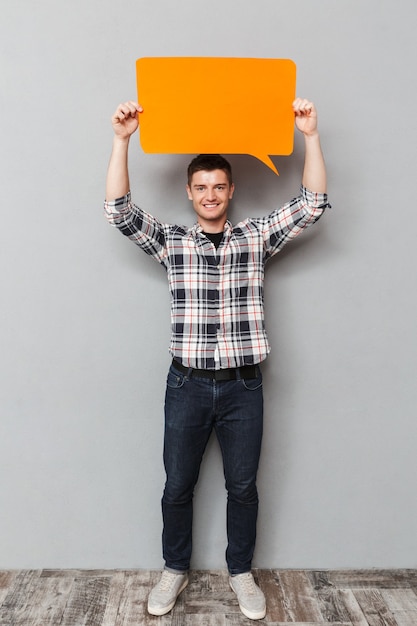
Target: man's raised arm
{"points": [[314, 174], [125, 121]]}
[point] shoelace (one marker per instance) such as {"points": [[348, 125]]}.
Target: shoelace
{"points": [[167, 581], [248, 585]]}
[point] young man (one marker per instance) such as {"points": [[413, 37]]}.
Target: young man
{"points": [[215, 274]]}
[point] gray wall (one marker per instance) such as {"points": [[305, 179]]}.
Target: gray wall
{"points": [[85, 314]]}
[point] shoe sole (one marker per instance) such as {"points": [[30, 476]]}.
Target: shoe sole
{"points": [[166, 609], [250, 615]]}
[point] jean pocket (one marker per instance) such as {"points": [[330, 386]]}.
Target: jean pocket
{"points": [[252, 384], [175, 379]]}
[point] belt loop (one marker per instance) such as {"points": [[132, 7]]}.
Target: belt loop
{"points": [[238, 374], [190, 373]]}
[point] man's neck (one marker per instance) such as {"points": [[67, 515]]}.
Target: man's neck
{"points": [[212, 227]]}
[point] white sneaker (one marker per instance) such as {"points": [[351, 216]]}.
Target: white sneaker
{"points": [[164, 595], [251, 599]]}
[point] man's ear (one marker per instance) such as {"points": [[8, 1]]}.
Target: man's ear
{"points": [[231, 191], [188, 192]]}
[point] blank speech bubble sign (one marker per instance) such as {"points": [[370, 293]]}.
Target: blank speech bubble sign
{"points": [[210, 105]]}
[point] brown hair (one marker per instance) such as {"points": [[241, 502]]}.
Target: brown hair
{"points": [[208, 163]]}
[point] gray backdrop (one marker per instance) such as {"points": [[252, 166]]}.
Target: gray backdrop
{"points": [[85, 314]]}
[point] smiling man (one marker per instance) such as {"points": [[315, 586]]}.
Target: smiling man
{"points": [[210, 192], [216, 276]]}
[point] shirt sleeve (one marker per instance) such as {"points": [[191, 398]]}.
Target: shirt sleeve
{"points": [[139, 226], [287, 222]]}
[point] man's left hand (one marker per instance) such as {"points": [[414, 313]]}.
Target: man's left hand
{"points": [[305, 116]]}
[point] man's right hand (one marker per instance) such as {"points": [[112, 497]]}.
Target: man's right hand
{"points": [[125, 122], [125, 119]]}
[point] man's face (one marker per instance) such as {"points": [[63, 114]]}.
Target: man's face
{"points": [[210, 192]]}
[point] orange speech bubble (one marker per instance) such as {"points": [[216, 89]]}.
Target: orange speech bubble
{"points": [[217, 105]]}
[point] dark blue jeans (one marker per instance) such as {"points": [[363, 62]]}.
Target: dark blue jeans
{"points": [[193, 408]]}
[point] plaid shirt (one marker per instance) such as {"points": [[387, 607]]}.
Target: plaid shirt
{"points": [[217, 296]]}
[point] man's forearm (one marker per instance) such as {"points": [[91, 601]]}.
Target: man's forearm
{"points": [[314, 174], [117, 181]]}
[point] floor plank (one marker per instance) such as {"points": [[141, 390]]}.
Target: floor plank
{"points": [[403, 605], [87, 602], [352, 607], [270, 584], [6, 582], [374, 608], [132, 607], [117, 584], [46, 602], [379, 579], [14, 606], [300, 600]]}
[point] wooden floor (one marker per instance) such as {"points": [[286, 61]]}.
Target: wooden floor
{"points": [[118, 598]]}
